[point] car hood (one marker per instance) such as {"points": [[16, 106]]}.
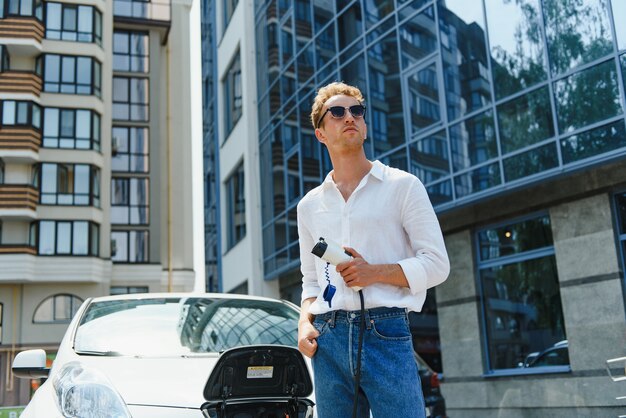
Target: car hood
{"points": [[161, 381]]}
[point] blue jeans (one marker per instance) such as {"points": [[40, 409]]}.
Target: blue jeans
{"points": [[390, 383]]}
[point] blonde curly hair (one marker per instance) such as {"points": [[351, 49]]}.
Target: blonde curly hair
{"points": [[328, 91]]}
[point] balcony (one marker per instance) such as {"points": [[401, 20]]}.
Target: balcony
{"points": [[18, 249], [19, 138], [18, 196], [22, 35], [26, 82]]}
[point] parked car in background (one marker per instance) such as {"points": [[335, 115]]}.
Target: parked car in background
{"points": [[557, 355], [435, 403], [150, 355]]}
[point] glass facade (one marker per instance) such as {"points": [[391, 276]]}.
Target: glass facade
{"points": [[210, 141], [474, 97]]}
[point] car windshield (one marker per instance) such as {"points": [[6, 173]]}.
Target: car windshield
{"points": [[182, 326]]}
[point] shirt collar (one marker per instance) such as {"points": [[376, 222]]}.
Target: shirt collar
{"points": [[377, 171]]}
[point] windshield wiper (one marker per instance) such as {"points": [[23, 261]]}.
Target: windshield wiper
{"points": [[99, 353]]}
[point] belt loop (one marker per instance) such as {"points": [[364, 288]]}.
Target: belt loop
{"points": [[368, 319], [333, 315]]}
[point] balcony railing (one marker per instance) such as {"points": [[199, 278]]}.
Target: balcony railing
{"points": [[22, 27], [18, 196], [13, 81], [17, 249], [20, 138]]}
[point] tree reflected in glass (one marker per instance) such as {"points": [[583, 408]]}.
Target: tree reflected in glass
{"points": [[578, 32], [516, 41], [597, 141], [587, 97]]}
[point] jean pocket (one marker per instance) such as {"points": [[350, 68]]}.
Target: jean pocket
{"points": [[391, 329], [321, 326]]}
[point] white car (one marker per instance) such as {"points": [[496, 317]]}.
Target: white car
{"points": [[152, 355]]}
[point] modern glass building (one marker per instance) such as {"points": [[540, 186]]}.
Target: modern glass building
{"points": [[511, 114]]}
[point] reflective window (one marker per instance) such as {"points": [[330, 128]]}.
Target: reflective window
{"points": [[521, 303], [578, 32], [620, 213], [233, 95], [477, 180], [236, 206], [418, 37], [71, 128], [473, 141], [423, 95], [429, 159], [175, 327], [130, 201], [351, 24], [69, 184], [67, 238], [131, 51], [464, 55], [587, 97], [525, 120], [129, 246], [531, 162], [142, 9], [4, 58], [130, 149], [57, 309], [127, 290], [516, 42], [18, 113], [597, 141], [229, 9], [619, 17], [21, 8], [385, 96], [131, 99], [71, 74], [70, 22]]}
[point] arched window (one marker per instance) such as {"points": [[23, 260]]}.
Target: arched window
{"points": [[57, 309]]}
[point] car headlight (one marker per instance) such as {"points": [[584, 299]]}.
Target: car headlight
{"points": [[87, 393]]}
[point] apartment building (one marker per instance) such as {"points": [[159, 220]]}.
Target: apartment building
{"points": [[96, 162], [510, 113]]}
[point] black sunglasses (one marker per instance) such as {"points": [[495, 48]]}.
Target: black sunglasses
{"points": [[338, 112]]}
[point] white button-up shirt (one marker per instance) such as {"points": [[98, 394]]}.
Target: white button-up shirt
{"points": [[387, 219]]}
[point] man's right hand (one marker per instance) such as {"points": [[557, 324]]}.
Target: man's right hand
{"points": [[307, 335]]}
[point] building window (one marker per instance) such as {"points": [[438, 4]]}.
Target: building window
{"points": [[57, 309], [232, 94], [70, 74], [71, 128], [521, 301], [130, 148], [32, 8], [130, 201], [130, 99], [127, 290], [142, 9], [236, 210], [70, 22], [66, 238], [229, 9], [27, 114], [1, 319], [620, 211], [129, 246], [69, 184], [5, 63], [131, 51]]}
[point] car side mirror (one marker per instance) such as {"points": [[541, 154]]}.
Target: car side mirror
{"points": [[30, 364]]}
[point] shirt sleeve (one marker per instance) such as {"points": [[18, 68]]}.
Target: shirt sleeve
{"points": [[430, 265], [310, 286]]}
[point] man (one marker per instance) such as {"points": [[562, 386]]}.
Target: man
{"points": [[383, 217]]}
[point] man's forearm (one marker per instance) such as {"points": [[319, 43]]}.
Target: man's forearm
{"points": [[391, 274], [305, 316]]}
